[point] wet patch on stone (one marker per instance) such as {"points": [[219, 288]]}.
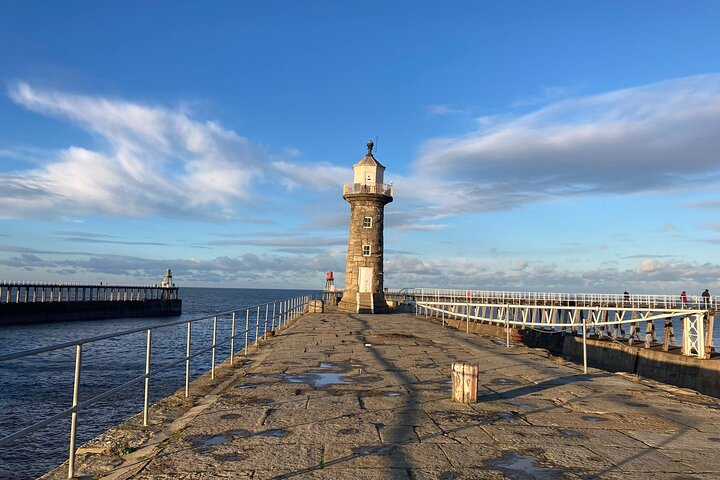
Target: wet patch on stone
{"points": [[593, 418], [227, 457], [382, 450], [674, 410], [256, 401], [428, 365], [275, 432], [506, 415], [240, 433], [449, 476], [638, 405], [505, 381], [231, 416], [521, 467], [565, 433], [209, 440], [247, 386], [714, 407], [365, 378], [316, 379], [392, 394]]}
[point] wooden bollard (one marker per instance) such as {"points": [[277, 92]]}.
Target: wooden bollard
{"points": [[464, 383]]}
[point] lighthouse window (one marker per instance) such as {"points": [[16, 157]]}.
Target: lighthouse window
{"points": [[366, 250], [369, 177], [367, 222]]}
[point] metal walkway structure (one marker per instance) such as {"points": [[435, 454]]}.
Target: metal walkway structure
{"points": [[602, 315]]}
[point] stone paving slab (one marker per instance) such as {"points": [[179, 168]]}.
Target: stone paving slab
{"points": [[348, 396]]}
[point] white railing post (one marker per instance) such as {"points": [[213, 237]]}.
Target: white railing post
{"points": [[257, 324], [272, 320], [267, 309], [187, 360], [247, 328], [214, 347], [73, 418], [232, 339], [147, 377]]}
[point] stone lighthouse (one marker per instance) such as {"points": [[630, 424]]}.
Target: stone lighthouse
{"points": [[367, 196]]}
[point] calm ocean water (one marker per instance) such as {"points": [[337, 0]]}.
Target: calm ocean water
{"points": [[37, 387]]}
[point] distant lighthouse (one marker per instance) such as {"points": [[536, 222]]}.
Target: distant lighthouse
{"points": [[367, 196]]}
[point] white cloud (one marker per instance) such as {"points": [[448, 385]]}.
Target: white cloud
{"points": [[442, 110], [647, 276], [151, 160], [642, 139]]}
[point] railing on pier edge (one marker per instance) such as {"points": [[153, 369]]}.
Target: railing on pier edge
{"points": [[576, 312], [34, 292], [282, 312]]}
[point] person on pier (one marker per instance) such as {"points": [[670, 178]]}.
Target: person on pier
{"points": [[706, 298]]}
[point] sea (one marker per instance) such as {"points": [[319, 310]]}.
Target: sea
{"points": [[36, 387]]}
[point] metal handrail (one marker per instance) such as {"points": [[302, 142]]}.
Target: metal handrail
{"points": [[560, 317], [284, 311], [375, 188], [660, 301]]}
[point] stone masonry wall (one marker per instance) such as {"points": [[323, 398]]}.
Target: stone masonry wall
{"points": [[361, 206]]}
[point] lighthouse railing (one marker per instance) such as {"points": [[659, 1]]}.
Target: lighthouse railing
{"points": [[375, 188]]}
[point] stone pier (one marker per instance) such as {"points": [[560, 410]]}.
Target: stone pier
{"points": [[351, 396]]}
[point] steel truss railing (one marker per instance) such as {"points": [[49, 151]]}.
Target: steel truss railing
{"points": [[276, 315], [697, 323], [568, 299]]}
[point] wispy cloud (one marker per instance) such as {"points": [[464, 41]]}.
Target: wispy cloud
{"points": [[650, 275], [150, 160], [285, 241], [644, 139], [442, 110], [247, 269]]}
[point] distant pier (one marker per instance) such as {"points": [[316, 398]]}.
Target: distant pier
{"points": [[34, 302]]}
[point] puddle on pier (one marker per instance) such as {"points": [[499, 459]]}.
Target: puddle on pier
{"points": [[316, 379], [246, 386], [593, 418], [208, 440], [231, 416], [242, 433], [638, 405], [504, 344], [565, 433], [714, 407], [505, 381], [275, 432], [392, 394], [521, 467]]}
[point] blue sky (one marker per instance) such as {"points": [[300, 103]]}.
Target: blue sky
{"points": [[544, 146]]}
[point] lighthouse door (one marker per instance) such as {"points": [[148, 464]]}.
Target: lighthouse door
{"points": [[365, 280]]}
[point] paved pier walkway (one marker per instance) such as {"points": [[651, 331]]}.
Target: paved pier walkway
{"points": [[346, 396]]}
